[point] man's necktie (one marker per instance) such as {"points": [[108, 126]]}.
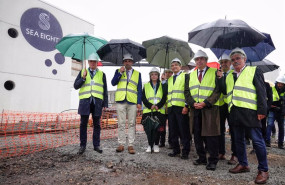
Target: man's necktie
{"points": [[235, 77], [174, 78], [128, 75], [200, 75]]}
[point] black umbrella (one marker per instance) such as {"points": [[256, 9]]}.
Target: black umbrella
{"points": [[225, 34], [114, 51], [150, 125], [265, 65]]}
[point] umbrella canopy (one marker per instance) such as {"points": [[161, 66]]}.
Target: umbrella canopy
{"points": [[225, 34], [161, 51], [254, 53], [150, 125], [265, 65], [78, 46], [114, 51]]}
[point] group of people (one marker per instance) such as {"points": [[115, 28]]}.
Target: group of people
{"points": [[195, 105]]}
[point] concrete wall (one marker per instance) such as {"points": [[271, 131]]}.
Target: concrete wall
{"points": [[42, 82]]}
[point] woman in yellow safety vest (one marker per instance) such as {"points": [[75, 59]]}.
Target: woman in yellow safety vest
{"points": [[154, 96]]}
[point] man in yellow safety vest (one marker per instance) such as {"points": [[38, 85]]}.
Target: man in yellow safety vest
{"points": [[128, 99], [93, 97]]}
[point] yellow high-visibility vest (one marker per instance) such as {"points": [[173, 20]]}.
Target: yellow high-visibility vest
{"points": [[127, 90], [224, 98], [150, 96], [92, 87], [201, 91], [242, 93], [175, 94]]}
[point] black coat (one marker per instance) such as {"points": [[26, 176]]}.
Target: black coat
{"points": [[247, 117], [280, 105], [84, 104]]}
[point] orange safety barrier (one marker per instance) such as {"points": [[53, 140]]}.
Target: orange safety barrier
{"points": [[23, 133]]}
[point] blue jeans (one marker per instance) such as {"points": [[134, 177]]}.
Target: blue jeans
{"points": [[272, 116], [258, 145]]}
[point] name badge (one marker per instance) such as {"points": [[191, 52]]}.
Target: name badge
{"points": [[92, 82], [155, 101]]}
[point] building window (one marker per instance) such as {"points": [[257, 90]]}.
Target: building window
{"points": [[12, 32], [9, 85]]}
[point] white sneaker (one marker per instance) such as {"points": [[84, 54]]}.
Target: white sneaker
{"points": [[148, 150], [155, 149]]}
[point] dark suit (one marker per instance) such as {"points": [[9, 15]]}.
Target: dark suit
{"points": [[87, 106]]}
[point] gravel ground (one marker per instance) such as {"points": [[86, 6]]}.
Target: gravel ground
{"points": [[63, 166]]}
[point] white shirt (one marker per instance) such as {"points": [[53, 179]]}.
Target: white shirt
{"points": [[238, 73]]}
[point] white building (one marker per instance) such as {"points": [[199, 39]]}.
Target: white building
{"points": [[33, 76]]}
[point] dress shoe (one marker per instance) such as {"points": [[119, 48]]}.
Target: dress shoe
{"points": [[211, 166], [120, 148], [173, 154], [161, 145], [98, 149], [184, 156], [239, 169], [262, 177], [81, 150], [280, 146], [233, 160], [131, 150], [200, 162], [222, 157]]}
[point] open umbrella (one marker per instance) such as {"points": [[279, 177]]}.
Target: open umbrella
{"points": [[265, 65], [225, 34], [78, 46], [253, 53], [114, 51], [161, 51], [150, 125]]}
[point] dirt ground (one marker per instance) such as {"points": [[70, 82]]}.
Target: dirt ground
{"points": [[63, 166]]}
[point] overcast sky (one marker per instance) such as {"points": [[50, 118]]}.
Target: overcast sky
{"points": [[147, 19]]}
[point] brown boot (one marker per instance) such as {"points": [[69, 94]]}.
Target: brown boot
{"points": [[239, 169], [120, 148], [131, 150], [262, 177], [233, 160]]}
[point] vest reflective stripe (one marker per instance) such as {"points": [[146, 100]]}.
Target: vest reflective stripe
{"points": [[127, 90], [275, 95], [93, 86], [243, 92], [176, 91], [201, 91], [149, 94]]}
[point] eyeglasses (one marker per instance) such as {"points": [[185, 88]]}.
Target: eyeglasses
{"points": [[234, 59]]}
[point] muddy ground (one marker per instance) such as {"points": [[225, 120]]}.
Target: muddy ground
{"points": [[63, 166]]}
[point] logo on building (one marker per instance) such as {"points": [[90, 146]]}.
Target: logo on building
{"points": [[41, 29]]}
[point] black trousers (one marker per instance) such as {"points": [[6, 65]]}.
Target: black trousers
{"points": [[224, 114], [162, 131], [96, 130], [212, 142], [179, 126]]}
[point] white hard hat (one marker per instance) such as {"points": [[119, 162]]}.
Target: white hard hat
{"points": [[128, 56], [200, 53], [281, 79], [94, 57], [154, 69], [224, 57], [176, 60], [237, 50]]}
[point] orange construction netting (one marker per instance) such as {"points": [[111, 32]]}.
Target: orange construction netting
{"points": [[23, 133]]}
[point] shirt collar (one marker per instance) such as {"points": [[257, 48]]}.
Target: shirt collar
{"points": [[240, 70], [203, 69]]}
